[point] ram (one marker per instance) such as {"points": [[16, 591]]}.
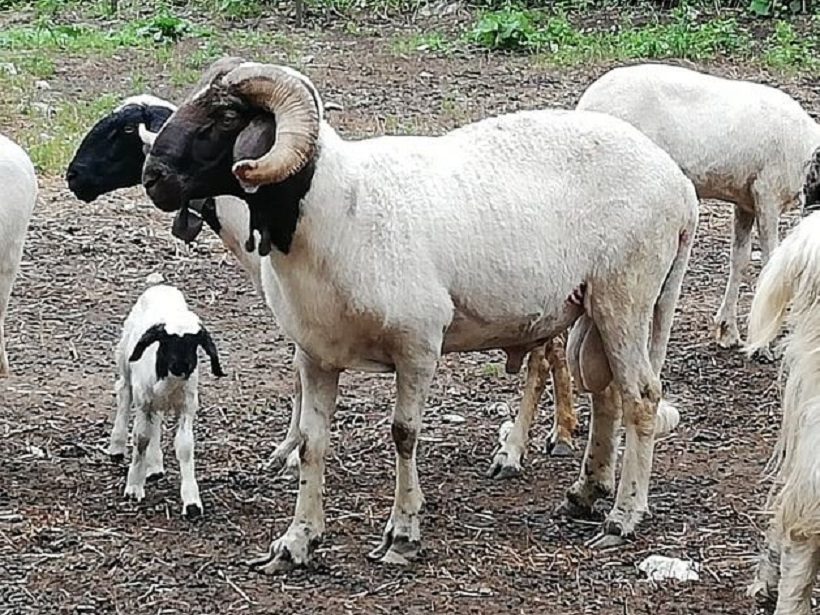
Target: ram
{"points": [[384, 253], [19, 193], [111, 156], [158, 374], [738, 141]]}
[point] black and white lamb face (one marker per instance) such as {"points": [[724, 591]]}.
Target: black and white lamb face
{"points": [[177, 350], [112, 154]]}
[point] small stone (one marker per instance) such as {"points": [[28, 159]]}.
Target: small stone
{"points": [[42, 85], [453, 418], [154, 278], [8, 68]]}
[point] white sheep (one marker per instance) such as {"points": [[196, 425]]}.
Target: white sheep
{"points": [[738, 141], [19, 193], [111, 156], [387, 252], [158, 373], [790, 281]]}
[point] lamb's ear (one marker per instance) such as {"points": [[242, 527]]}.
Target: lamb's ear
{"points": [[209, 347], [154, 334], [156, 116]]}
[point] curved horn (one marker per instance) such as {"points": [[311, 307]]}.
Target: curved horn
{"points": [[146, 136], [282, 92]]}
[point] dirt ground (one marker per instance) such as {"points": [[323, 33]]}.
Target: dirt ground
{"points": [[70, 543]]}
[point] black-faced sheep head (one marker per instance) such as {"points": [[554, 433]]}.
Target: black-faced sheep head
{"points": [[177, 353], [252, 132], [112, 154]]}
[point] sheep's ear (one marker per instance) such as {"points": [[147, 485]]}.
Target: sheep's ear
{"points": [[209, 347], [153, 334], [156, 116]]}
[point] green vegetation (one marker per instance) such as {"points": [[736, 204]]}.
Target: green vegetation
{"points": [[177, 38]]}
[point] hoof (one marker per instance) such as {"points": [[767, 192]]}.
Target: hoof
{"points": [[137, 494], [293, 550], [726, 335], [116, 457], [606, 541], [398, 550], [152, 478], [766, 355], [192, 511], [575, 509], [503, 467], [559, 449]]}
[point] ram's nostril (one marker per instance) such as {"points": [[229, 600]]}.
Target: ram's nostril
{"points": [[71, 175]]}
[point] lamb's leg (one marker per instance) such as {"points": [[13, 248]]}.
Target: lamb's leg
{"points": [[184, 445], [296, 545], [287, 453], [726, 318], [566, 419], [156, 465], [512, 448], [119, 429], [143, 428], [798, 569], [597, 477], [7, 276], [402, 536]]}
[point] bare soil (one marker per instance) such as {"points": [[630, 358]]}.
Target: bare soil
{"points": [[69, 542]]}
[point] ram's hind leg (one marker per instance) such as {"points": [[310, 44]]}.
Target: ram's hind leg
{"points": [[512, 445], [726, 329], [622, 310], [799, 563], [559, 443]]}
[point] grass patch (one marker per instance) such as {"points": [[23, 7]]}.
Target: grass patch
{"points": [[433, 42], [685, 35]]}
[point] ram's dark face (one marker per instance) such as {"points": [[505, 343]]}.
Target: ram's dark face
{"points": [[193, 154], [111, 155]]}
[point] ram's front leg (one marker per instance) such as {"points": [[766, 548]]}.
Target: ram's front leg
{"points": [[296, 546], [401, 540], [512, 442]]}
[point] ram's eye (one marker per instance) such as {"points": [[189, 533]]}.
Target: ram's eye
{"points": [[228, 117], [129, 128]]}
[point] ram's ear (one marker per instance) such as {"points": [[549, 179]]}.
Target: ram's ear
{"points": [[156, 116], [153, 334], [206, 341]]}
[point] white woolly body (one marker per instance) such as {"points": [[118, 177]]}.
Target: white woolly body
{"points": [[725, 134], [160, 304], [19, 193], [791, 282], [481, 234]]}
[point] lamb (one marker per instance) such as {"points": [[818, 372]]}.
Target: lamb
{"points": [[738, 141], [19, 182], [385, 253], [111, 156], [789, 562], [158, 373]]}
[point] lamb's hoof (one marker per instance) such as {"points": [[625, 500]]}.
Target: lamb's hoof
{"points": [[574, 508], [559, 448], [580, 498], [192, 511], [135, 493], [155, 476], [617, 528], [766, 355], [504, 467], [397, 550], [292, 550]]}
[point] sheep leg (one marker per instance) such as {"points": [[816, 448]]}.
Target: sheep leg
{"points": [[143, 428], [4, 359], [767, 575], [287, 453], [295, 547], [401, 540], [597, 479], [7, 276], [184, 445], [566, 420], [119, 430], [726, 318], [798, 568], [156, 465], [512, 448], [767, 215]]}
